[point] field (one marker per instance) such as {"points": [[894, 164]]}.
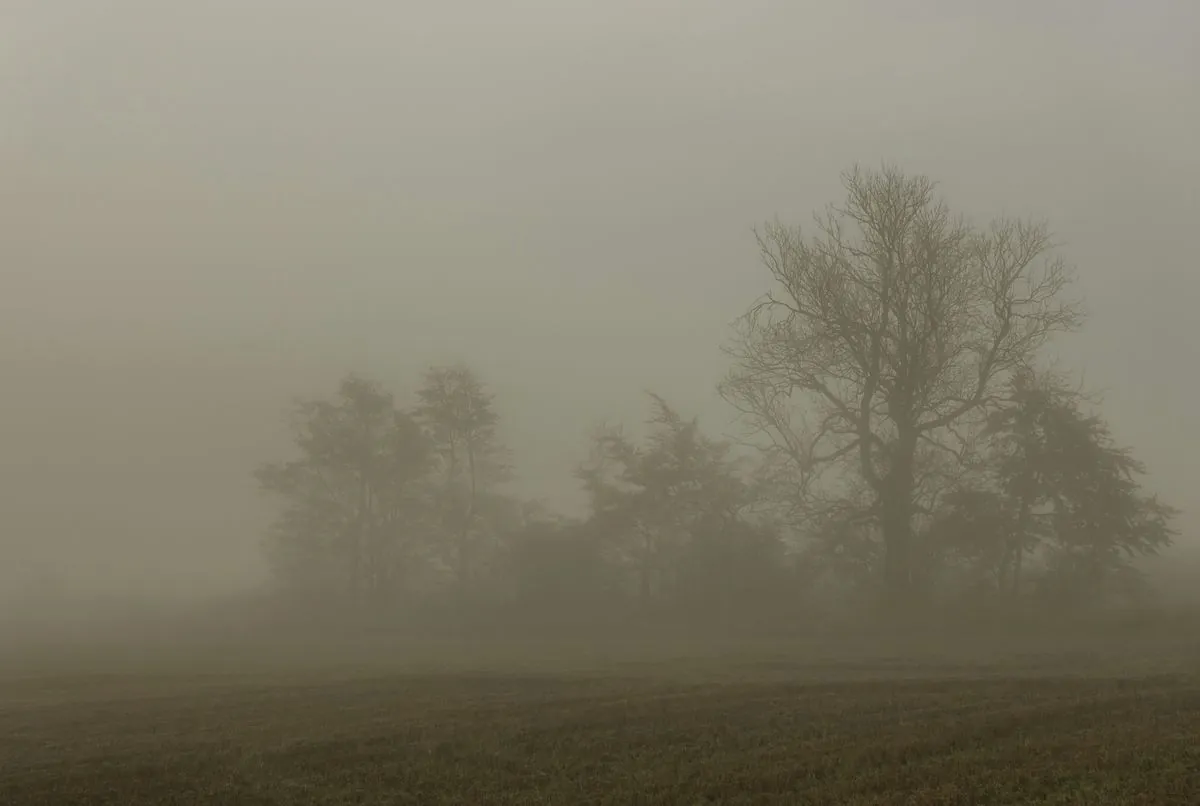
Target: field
{"points": [[735, 727]]}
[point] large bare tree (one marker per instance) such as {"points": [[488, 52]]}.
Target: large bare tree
{"points": [[887, 336]]}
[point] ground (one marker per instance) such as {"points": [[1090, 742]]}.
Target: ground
{"points": [[730, 730]]}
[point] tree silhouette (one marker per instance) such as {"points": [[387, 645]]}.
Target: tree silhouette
{"points": [[886, 338], [353, 498], [457, 412]]}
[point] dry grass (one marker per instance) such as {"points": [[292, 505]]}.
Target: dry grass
{"points": [[729, 731]]}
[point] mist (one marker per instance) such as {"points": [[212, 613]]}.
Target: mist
{"points": [[562, 401], [210, 209]]}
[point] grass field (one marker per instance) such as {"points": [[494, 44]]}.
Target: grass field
{"points": [[732, 729]]}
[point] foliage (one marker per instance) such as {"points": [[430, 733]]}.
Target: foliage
{"points": [[558, 567], [1059, 491], [352, 499], [675, 510], [457, 412]]}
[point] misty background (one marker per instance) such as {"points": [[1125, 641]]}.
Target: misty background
{"points": [[208, 209]]}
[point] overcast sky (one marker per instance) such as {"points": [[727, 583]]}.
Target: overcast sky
{"points": [[209, 207]]}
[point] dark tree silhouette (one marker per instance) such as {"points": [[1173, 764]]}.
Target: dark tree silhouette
{"points": [[1059, 490], [458, 414], [674, 508], [888, 334], [353, 498]]}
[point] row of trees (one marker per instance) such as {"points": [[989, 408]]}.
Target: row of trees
{"points": [[378, 491], [900, 440]]}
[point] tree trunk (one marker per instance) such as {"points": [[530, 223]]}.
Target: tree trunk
{"points": [[646, 570], [1024, 520], [896, 510], [464, 540], [359, 568], [897, 548]]}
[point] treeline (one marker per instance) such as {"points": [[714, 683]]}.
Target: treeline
{"points": [[906, 450], [389, 504]]}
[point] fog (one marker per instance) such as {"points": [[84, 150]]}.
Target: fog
{"points": [[211, 208]]}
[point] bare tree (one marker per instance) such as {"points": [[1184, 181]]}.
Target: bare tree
{"points": [[888, 335]]}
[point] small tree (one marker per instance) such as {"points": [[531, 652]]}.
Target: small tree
{"points": [[893, 330], [1065, 462], [671, 505], [352, 499], [1060, 489], [458, 414]]}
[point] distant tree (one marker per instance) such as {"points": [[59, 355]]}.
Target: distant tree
{"points": [[558, 567], [975, 533], [734, 565], [500, 519], [673, 506], [457, 412], [888, 337], [842, 544], [1061, 490], [353, 500]]}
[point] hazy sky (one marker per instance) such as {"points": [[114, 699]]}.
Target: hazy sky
{"points": [[208, 207]]}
